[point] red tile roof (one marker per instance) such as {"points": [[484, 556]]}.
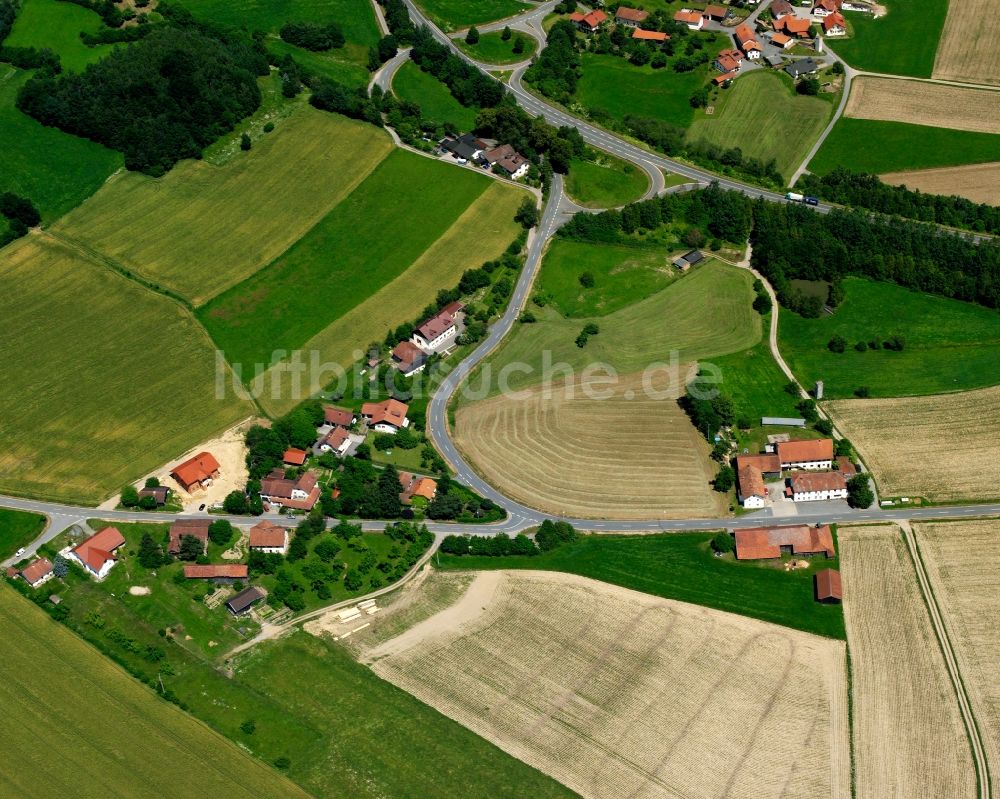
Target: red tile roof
{"points": [[294, 457], [727, 63], [715, 12], [336, 438], [441, 321], [758, 543], [828, 585], [765, 463], [689, 17], [415, 486], [631, 14], [718, 80], [780, 40], [197, 528], [649, 36], [847, 468], [828, 5], [820, 449], [793, 25], [751, 482], [407, 354], [390, 411], [267, 534], [591, 20], [834, 20], [196, 469], [781, 8], [36, 570], [744, 33], [282, 487], [100, 547], [807, 482], [208, 571], [338, 416]]}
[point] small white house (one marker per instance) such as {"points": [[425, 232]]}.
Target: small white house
{"points": [[38, 572], [269, 537], [97, 553], [752, 492]]}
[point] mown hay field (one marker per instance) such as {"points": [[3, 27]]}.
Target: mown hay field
{"points": [[967, 50], [962, 559], [201, 228], [908, 734], [785, 124], [481, 233], [942, 447], [76, 724], [707, 312], [977, 182], [617, 693], [629, 456], [57, 26], [921, 103], [103, 379], [434, 98]]}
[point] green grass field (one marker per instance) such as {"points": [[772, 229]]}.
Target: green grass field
{"points": [[622, 275], [344, 66], [309, 702], [434, 98], [875, 44], [77, 724], [103, 379], [606, 182], [784, 124], [201, 228], [873, 146], [367, 241], [704, 314], [492, 49], [620, 88], [457, 14], [18, 529], [57, 26], [754, 382], [950, 345], [681, 566], [55, 170]]}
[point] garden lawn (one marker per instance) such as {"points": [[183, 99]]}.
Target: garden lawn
{"points": [[614, 85], [202, 228], [98, 732], [492, 49], [755, 383], [456, 14], [903, 42], [57, 25], [682, 566], [622, 275], [104, 380], [763, 116], [949, 345], [18, 529], [55, 170], [339, 65], [606, 182], [436, 101], [703, 314], [369, 239], [873, 146]]}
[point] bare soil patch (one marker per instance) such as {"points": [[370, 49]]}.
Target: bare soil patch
{"points": [[619, 694], [139, 590], [627, 457], [230, 451], [962, 560], [908, 734], [977, 182], [942, 447], [922, 103], [968, 47]]}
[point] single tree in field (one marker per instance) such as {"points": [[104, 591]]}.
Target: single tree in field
{"points": [[130, 497], [518, 47], [527, 214], [472, 37], [245, 143], [587, 280], [506, 33], [150, 553]]}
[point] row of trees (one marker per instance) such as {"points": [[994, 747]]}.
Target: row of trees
{"points": [[313, 35], [867, 191], [549, 536], [726, 215], [196, 86], [792, 242], [469, 85]]}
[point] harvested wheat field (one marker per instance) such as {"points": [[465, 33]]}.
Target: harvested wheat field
{"points": [[962, 560], [562, 452], [977, 182], [899, 437], [620, 694], [908, 735], [922, 103], [967, 50]]}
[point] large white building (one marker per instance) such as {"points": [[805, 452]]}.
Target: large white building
{"points": [[817, 486], [815, 455]]}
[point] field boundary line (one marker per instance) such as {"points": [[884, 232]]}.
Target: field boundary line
{"points": [[972, 731]]}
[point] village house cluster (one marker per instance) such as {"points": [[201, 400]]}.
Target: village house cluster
{"points": [[435, 336], [486, 153], [813, 472]]}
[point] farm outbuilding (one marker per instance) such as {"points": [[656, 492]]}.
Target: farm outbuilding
{"points": [[244, 600], [828, 586]]}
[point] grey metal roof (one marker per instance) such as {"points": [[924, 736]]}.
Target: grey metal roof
{"points": [[245, 599], [784, 421]]}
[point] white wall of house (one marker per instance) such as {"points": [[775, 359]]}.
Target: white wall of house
{"points": [[808, 465], [426, 345], [816, 496], [42, 580], [385, 427], [753, 501], [97, 575]]}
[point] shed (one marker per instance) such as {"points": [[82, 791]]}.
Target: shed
{"points": [[244, 600], [782, 421], [828, 586]]}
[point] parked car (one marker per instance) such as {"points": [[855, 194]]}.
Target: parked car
{"points": [[202, 506], [19, 552]]}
